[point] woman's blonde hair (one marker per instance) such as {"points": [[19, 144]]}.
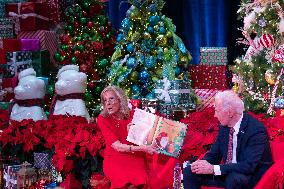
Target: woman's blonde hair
{"points": [[124, 110]]}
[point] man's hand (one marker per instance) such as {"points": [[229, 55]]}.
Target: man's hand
{"points": [[202, 167]]}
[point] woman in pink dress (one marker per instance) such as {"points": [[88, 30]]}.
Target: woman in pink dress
{"points": [[124, 164]]}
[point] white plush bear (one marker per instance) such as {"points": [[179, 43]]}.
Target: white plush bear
{"points": [[70, 89], [29, 95]]}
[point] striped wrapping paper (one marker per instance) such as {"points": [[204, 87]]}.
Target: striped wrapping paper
{"points": [[48, 40], [207, 97]]}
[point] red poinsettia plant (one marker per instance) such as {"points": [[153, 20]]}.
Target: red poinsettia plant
{"points": [[69, 138], [202, 131], [23, 133]]}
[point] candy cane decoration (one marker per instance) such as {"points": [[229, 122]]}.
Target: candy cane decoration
{"points": [[274, 91]]}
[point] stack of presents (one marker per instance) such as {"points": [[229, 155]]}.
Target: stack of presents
{"points": [[28, 38], [177, 98], [211, 75]]}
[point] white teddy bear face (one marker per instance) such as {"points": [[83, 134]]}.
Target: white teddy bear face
{"points": [[71, 81], [30, 87]]}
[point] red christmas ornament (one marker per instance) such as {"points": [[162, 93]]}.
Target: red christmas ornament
{"points": [[62, 53], [65, 39], [279, 54], [76, 24], [83, 68], [90, 24], [77, 53], [95, 76], [98, 46], [91, 84], [266, 40], [84, 13]]}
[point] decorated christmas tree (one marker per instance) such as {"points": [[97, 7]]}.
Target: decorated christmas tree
{"points": [[259, 72], [88, 42], [147, 50]]}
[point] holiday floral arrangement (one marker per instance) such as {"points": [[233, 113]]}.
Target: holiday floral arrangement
{"points": [[69, 139], [202, 131]]}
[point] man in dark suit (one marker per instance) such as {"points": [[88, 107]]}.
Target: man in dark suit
{"points": [[241, 153]]}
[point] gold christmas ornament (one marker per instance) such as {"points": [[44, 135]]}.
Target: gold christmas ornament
{"points": [[270, 77], [169, 34], [236, 88], [161, 40], [183, 58], [147, 35]]}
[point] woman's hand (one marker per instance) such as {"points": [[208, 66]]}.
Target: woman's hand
{"points": [[148, 149], [129, 125]]}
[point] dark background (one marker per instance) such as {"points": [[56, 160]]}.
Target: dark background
{"points": [[200, 23]]}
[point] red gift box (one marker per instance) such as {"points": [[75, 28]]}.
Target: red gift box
{"points": [[10, 45], [30, 16], [210, 77], [207, 97], [54, 12]]}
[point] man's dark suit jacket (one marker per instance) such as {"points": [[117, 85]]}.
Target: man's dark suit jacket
{"points": [[253, 149]]}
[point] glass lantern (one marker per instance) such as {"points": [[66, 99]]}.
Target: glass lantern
{"points": [[26, 176]]}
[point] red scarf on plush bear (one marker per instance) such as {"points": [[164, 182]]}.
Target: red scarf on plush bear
{"points": [[62, 98]]}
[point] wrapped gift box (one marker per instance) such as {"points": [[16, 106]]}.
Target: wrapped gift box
{"points": [[48, 40], [41, 63], [7, 28], [42, 161], [210, 77], [168, 109], [174, 91], [10, 45], [29, 16], [207, 97], [17, 61], [213, 56], [3, 3], [30, 44]]}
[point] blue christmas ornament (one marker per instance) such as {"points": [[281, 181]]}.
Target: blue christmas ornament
{"points": [[162, 30], [131, 63], [177, 70], [177, 57], [153, 20], [150, 96], [120, 36], [150, 62], [142, 58], [181, 47], [135, 89], [130, 47], [279, 103], [144, 76], [150, 29], [125, 24]]}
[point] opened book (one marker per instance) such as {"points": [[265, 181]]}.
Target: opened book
{"points": [[164, 134]]}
